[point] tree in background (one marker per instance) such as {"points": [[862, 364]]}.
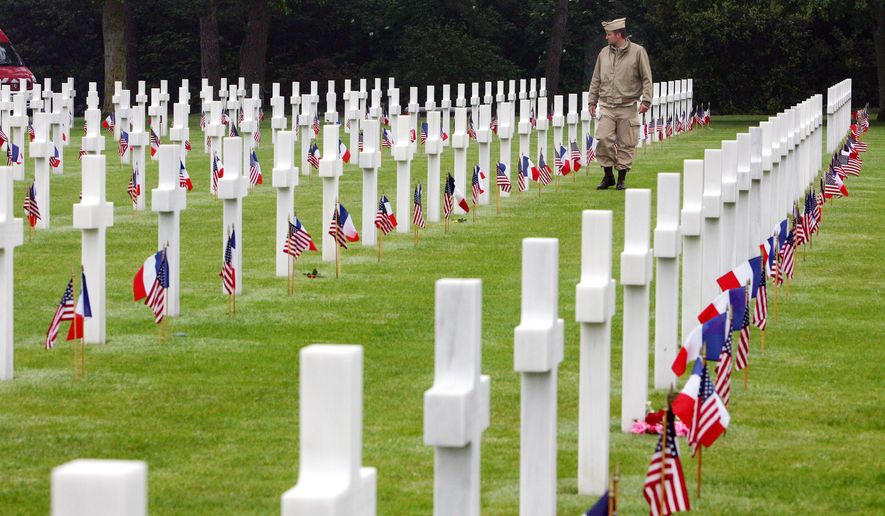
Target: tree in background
{"points": [[113, 27], [210, 54], [554, 46]]}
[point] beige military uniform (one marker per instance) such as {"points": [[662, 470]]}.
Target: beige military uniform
{"points": [[620, 78]]}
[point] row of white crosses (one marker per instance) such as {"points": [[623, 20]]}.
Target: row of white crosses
{"points": [[838, 113], [669, 99]]}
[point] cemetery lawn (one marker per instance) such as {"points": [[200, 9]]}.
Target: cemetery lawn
{"points": [[214, 409]]}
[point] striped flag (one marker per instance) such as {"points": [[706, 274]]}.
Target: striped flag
{"points": [[134, 189], [124, 143], [470, 131], [788, 252], [55, 159], [561, 161], [81, 154], [202, 120], [423, 133], [217, 171], [723, 368], [155, 143], [385, 220], [342, 228], [418, 213], [187, 145], [591, 148], [313, 156], [760, 312], [156, 298], [184, 179], [360, 144], [665, 462], [448, 196], [576, 156], [32, 210], [255, 177], [544, 172], [14, 155], [475, 186], [228, 272], [64, 312], [31, 133], [3, 137], [521, 174], [834, 187], [343, 152], [316, 125], [386, 138], [256, 136], [501, 178], [82, 309], [700, 407], [298, 239]]}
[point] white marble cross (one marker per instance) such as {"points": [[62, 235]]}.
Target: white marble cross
{"points": [[214, 135], [117, 101], [523, 93], [729, 208], [232, 188], [710, 231], [525, 132], [538, 350], [17, 124], [413, 108], [305, 122], [66, 100], [558, 126], [138, 142], [57, 123], [402, 154], [743, 244], [278, 120], [10, 238], [331, 478], [179, 133], [460, 100], [295, 103], [433, 147], [505, 135], [511, 95], [331, 115], [370, 162], [124, 112], [502, 93], [36, 102], [41, 149], [285, 179], [141, 96], [330, 170], [460, 142], [656, 105], [456, 407], [93, 142], [484, 140], [354, 119], [168, 200], [248, 128], [154, 114], [692, 258], [585, 126], [163, 111], [488, 98], [100, 487], [446, 106], [666, 250], [314, 101], [594, 309], [757, 234], [541, 128], [93, 215], [474, 102], [636, 276]]}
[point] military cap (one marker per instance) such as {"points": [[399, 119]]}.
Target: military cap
{"points": [[610, 26]]}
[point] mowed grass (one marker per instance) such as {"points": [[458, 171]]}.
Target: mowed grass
{"points": [[214, 409]]}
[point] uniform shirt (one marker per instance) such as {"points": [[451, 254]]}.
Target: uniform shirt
{"points": [[621, 76]]}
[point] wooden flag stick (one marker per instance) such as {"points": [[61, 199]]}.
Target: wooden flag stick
{"points": [[447, 225], [763, 340], [474, 212], [235, 301], [613, 501], [74, 345], [746, 376], [380, 241], [416, 235], [700, 456], [497, 199], [83, 357], [663, 498]]}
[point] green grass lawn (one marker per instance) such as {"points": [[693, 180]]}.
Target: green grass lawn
{"points": [[213, 410]]}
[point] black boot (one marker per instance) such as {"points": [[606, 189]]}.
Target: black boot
{"points": [[622, 176], [608, 180]]}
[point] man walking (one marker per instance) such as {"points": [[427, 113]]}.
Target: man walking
{"points": [[622, 76]]}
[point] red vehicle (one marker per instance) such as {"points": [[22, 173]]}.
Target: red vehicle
{"points": [[12, 69]]}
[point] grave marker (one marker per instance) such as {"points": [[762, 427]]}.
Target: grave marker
{"points": [[484, 139], [460, 142], [11, 236], [285, 179], [370, 162], [729, 208], [97, 487], [433, 147], [41, 149], [505, 135], [402, 154], [456, 407], [446, 105], [525, 131], [711, 230], [692, 255], [168, 200], [330, 171], [331, 478], [232, 188], [138, 142], [93, 215], [666, 250], [538, 350]]}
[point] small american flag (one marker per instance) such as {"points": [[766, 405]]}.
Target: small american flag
{"points": [[360, 145], [31, 133], [335, 230], [760, 312], [833, 187], [475, 185], [225, 117], [313, 156], [723, 369], [217, 171], [423, 133], [494, 125], [155, 143], [124, 143], [316, 125], [533, 121], [256, 136], [184, 179], [708, 417], [255, 177], [187, 145], [787, 254], [64, 312], [55, 159], [386, 138], [233, 131], [591, 148], [501, 178], [133, 189], [669, 127], [800, 236], [31, 209], [81, 154], [298, 239], [228, 273], [816, 214], [383, 216], [156, 298], [203, 120], [241, 115], [665, 461], [449, 196], [470, 131], [576, 156], [522, 176], [544, 176], [3, 137], [418, 215]]}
